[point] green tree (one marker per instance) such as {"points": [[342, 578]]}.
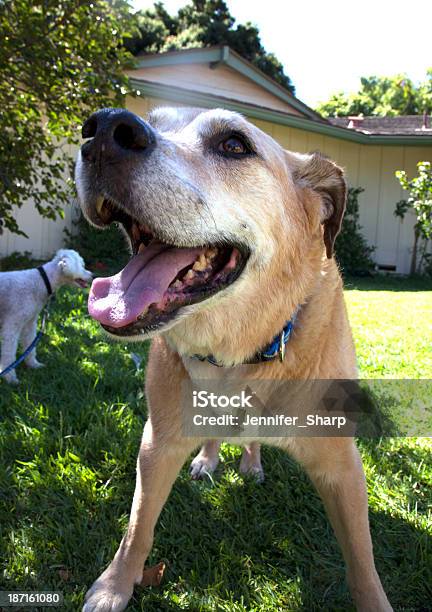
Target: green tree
{"points": [[425, 92], [420, 202], [59, 61], [382, 96], [203, 23]]}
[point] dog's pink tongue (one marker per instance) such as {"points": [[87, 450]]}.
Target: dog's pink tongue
{"points": [[119, 300]]}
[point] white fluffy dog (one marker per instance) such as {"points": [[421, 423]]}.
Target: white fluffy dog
{"points": [[22, 296]]}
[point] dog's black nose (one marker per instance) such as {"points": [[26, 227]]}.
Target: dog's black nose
{"points": [[115, 133]]}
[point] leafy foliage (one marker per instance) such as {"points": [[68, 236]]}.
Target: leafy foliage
{"points": [[203, 23], [18, 261], [385, 96], [352, 251], [420, 202], [59, 61]]}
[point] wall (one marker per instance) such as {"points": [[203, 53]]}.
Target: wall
{"points": [[218, 81], [369, 166], [373, 168], [44, 236]]}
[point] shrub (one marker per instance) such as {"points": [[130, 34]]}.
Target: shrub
{"points": [[352, 251], [427, 265], [419, 201], [18, 261], [102, 250]]}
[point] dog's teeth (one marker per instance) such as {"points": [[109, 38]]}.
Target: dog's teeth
{"points": [[211, 253], [141, 248], [99, 204], [201, 263], [136, 234], [103, 210], [190, 275], [177, 284]]}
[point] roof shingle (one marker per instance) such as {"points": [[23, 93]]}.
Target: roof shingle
{"points": [[417, 125]]}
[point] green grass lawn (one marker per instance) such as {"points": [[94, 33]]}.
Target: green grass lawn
{"points": [[69, 437]]}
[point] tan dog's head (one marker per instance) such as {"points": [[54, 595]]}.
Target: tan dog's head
{"points": [[221, 221]]}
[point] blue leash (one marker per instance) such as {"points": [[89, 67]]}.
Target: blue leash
{"points": [[29, 349]]}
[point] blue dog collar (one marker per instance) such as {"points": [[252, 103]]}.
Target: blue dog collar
{"points": [[276, 348]]}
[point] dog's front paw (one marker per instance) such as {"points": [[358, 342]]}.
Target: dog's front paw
{"points": [[202, 466], [255, 471], [107, 595], [35, 364], [11, 378], [251, 467]]}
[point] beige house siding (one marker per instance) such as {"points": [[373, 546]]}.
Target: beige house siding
{"points": [[218, 81], [45, 237], [369, 166]]}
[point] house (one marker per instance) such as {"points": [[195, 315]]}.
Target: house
{"points": [[370, 149]]}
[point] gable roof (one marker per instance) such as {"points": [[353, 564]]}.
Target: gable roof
{"points": [[211, 77], [219, 57]]}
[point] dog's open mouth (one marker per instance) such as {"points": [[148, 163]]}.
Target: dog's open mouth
{"points": [[160, 278], [81, 282]]}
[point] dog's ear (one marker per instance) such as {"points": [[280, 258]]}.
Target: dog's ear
{"points": [[318, 173]]}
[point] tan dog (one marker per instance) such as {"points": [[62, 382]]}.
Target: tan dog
{"points": [[231, 236]]}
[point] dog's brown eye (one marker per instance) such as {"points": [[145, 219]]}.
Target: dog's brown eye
{"points": [[233, 146]]}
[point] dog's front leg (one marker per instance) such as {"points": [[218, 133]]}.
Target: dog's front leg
{"points": [[159, 462], [10, 335], [251, 461], [335, 467], [28, 334]]}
